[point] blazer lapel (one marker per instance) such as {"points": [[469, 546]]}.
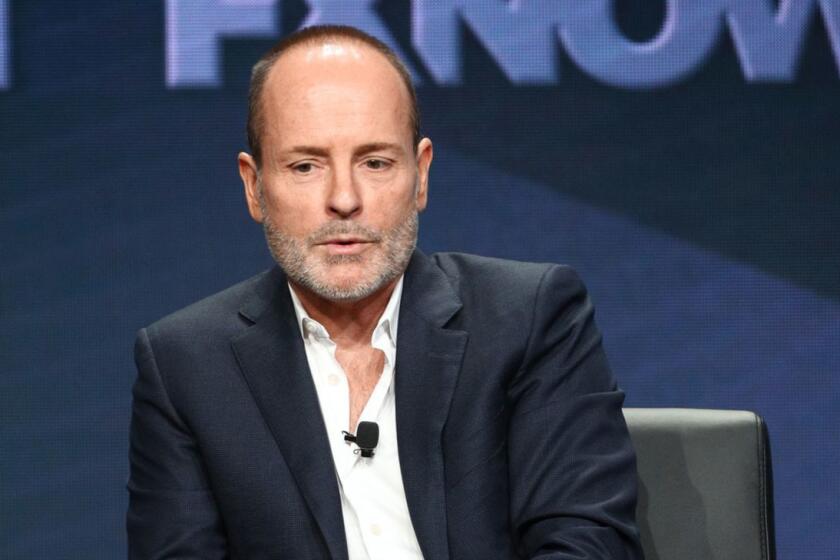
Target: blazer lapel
{"points": [[273, 362], [428, 361]]}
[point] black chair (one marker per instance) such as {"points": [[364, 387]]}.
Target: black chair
{"points": [[705, 484]]}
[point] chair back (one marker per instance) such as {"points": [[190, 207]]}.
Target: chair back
{"points": [[705, 484]]}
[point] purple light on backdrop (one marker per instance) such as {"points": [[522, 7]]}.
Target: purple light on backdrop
{"points": [[5, 74]]}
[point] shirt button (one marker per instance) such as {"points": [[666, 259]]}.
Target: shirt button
{"points": [[332, 379], [376, 529]]}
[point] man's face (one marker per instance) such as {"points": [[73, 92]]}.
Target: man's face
{"points": [[340, 184]]}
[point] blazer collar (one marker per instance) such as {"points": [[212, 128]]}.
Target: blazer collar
{"points": [[272, 358], [273, 361], [429, 359]]}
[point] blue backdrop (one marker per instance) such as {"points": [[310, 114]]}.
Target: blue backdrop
{"points": [[682, 155]]}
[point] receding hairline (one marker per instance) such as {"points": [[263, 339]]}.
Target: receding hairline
{"points": [[319, 36], [295, 49]]}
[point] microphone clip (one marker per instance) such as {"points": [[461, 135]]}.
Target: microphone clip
{"points": [[366, 438]]}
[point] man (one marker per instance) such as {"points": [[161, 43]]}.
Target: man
{"points": [[501, 434]]}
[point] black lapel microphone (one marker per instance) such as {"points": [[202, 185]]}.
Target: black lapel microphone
{"points": [[366, 438]]}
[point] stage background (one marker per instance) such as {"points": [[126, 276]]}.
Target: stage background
{"points": [[702, 211]]}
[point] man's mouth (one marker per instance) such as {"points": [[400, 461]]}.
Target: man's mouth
{"points": [[346, 244], [344, 240]]}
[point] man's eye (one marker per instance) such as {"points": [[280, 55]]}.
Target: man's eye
{"points": [[376, 164], [303, 167]]}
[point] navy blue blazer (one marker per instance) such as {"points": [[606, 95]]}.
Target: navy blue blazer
{"points": [[512, 443]]}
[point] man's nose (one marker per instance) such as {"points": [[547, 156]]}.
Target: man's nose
{"points": [[344, 198]]}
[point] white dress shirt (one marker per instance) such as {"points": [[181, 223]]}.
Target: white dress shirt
{"points": [[373, 504]]}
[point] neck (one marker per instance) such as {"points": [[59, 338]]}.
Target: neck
{"points": [[348, 322]]}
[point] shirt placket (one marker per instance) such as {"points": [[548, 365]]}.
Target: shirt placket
{"points": [[334, 390], [366, 473]]}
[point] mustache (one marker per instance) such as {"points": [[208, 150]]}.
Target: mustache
{"points": [[332, 229]]}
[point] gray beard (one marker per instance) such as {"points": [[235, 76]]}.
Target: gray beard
{"points": [[312, 272]]}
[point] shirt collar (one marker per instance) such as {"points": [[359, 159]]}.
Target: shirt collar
{"points": [[387, 321]]}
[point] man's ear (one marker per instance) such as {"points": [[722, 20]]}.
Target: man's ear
{"points": [[424, 162], [250, 175]]}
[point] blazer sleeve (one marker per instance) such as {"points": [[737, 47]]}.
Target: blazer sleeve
{"points": [[572, 467], [171, 512]]}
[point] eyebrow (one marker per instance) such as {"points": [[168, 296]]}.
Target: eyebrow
{"points": [[308, 150], [363, 149], [377, 147]]}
